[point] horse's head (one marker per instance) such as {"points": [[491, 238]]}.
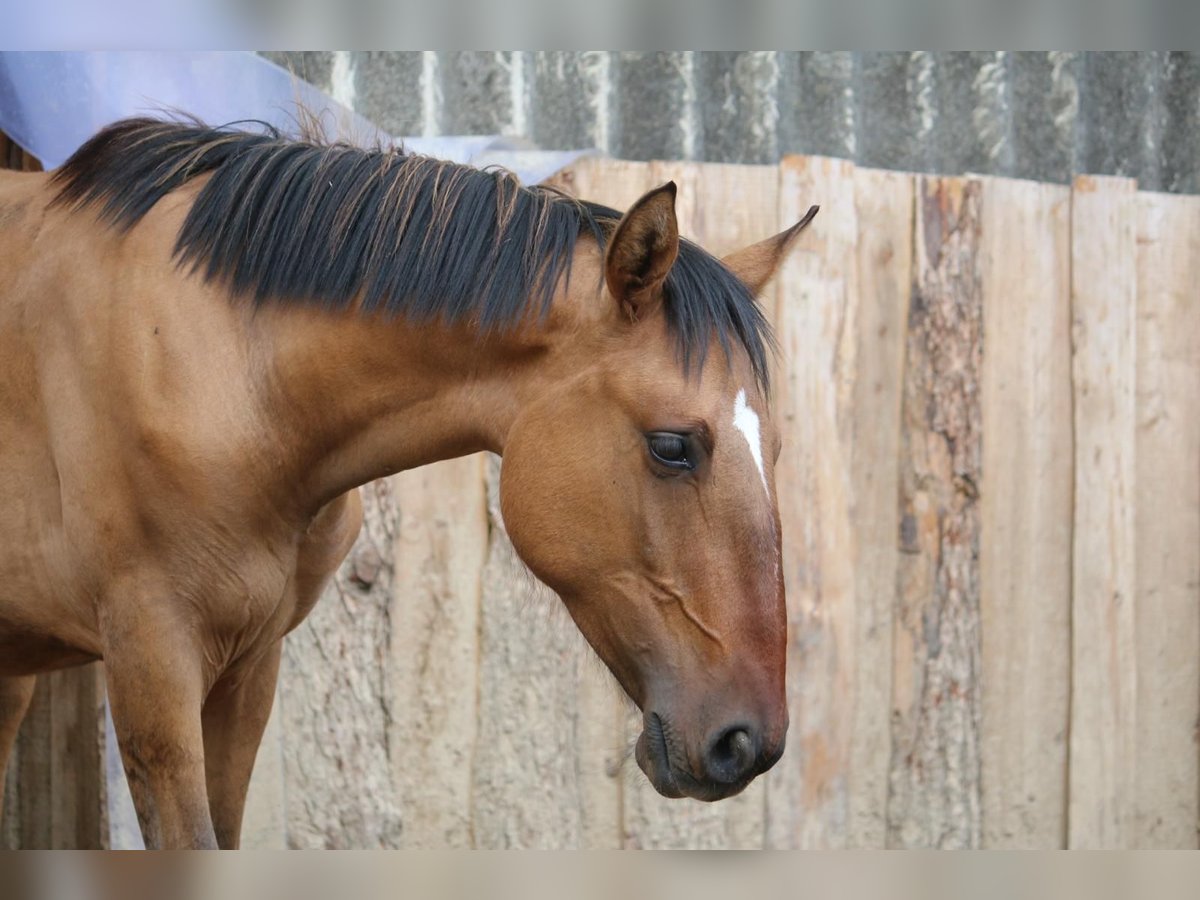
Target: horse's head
{"points": [[643, 492]]}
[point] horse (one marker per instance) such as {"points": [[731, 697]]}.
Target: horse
{"points": [[210, 337]]}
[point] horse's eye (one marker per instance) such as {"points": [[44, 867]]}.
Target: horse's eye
{"points": [[671, 450]]}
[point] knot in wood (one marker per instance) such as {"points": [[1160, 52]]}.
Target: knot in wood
{"points": [[365, 567]]}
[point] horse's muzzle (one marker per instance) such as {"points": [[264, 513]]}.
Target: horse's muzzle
{"points": [[728, 762]]}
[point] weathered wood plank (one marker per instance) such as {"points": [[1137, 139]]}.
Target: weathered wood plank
{"points": [[56, 790], [934, 786], [843, 306], [335, 699], [10, 819], [843, 302], [1104, 670], [613, 182], [817, 305], [885, 255], [1103, 656], [723, 208], [1025, 510], [13, 156], [33, 799], [548, 749], [1167, 522], [78, 814], [441, 546]]}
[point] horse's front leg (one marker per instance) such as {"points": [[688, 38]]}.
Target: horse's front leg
{"points": [[154, 666], [235, 715]]}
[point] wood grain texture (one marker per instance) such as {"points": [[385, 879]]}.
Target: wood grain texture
{"points": [[10, 816], [934, 785], [1167, 522], [441, 546], [807, 790], [885, 256], [13, 156], [614, 182], [1026, 510], [549, 746], [33, 763], [1104, 638], [335, 698], [56, 797], [842, 308], [79, 817]]}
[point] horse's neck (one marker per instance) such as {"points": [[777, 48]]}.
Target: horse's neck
{"points": [[364, 397]]}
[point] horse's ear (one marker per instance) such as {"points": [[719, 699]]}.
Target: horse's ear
{"points": [[641, 252], [755, 264]]}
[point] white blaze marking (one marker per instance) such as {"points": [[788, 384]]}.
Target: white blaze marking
{"points": [[745, 420]]}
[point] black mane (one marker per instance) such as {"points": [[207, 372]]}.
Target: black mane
{"points": [[300, 221]]}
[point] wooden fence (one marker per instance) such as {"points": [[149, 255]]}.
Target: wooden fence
{"points": [[990, 488]]}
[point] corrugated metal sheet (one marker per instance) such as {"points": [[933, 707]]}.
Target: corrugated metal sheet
{"points": [[1045, 116]]}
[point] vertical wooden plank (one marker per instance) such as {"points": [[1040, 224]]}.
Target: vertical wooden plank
{"points": [[441, 546], [722, 208], [613, 182], [1025, 512], [78, 815], [548, 749], [13, 156], [33, 801], [335, 701], [885, 252], [10, 821], [1103, 653], [843, 302], [807, 792], [56, 796], [934, 787], [1167, 522]]}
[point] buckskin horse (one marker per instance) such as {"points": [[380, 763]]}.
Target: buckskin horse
{"points": [[209, 338]]}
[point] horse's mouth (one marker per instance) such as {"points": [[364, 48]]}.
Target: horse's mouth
{"points": [[654, 757], [653, 754]]}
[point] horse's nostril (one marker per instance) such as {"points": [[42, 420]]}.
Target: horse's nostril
{"points": [[732, 755]]}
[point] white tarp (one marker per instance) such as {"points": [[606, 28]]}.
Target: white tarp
{"points": [[51, 102]]}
